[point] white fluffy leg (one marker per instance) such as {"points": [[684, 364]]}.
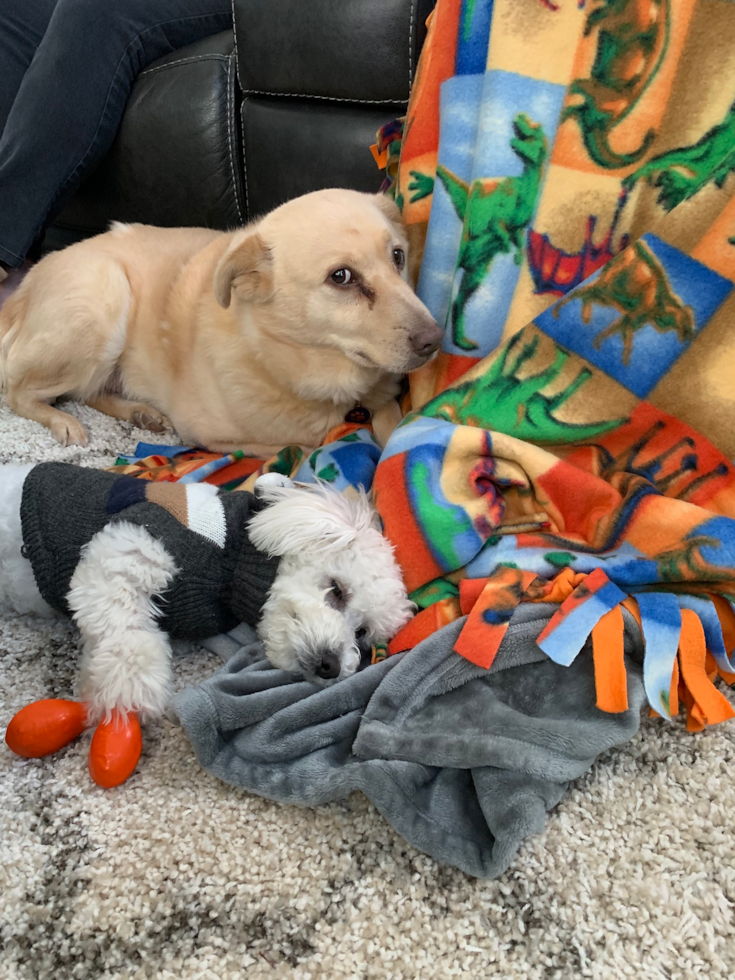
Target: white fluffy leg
{"points": [[126, 662], [18, 590], [266, 480]]}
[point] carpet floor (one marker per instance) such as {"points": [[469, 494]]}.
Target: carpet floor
{"points": [[175, 876]]}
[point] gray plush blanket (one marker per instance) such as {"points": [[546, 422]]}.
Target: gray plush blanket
{"points": [[463, 762]]}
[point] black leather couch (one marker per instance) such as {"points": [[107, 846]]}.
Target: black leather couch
{"points": [[224, 130]]}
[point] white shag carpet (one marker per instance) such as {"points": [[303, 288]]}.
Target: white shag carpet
{"points": [[176, 876]]}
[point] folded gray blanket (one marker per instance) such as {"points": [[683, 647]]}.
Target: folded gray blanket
{"points": [[463, 762]]}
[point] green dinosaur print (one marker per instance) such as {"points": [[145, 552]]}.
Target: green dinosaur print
{"points": [[469, 11], [560, 559], [328, 473], [287, 460], [681, 173], [636, 285], [495, 214], [505, 402], [434, 591], [632, 41], [422, 185]]}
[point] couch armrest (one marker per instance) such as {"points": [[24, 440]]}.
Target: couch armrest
{"points": [[176, 158]]}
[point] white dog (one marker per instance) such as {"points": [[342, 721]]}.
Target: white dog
{"points": [[310, 569]]}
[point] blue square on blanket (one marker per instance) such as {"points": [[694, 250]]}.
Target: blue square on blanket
{"points": [[124, 492], [480, 152], [473, 35], [638, 314]]}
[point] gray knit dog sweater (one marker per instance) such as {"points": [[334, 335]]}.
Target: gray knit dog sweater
{"points": [[222, 580]]}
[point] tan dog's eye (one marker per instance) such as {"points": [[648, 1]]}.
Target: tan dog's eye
{"points": [[341, 277], [399, 257]]}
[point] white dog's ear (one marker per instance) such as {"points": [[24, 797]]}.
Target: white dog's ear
{"points": [[308, 518], [247, 268]]}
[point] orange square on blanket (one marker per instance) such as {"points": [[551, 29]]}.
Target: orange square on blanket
{"points": [[611, 118], [660, 525], [537, 39], [715, 248]]}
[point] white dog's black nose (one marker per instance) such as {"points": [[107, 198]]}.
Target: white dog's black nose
{"points": [[329, 666]]}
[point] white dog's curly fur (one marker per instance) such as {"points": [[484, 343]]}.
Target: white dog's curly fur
{"points": [[337, 591]]}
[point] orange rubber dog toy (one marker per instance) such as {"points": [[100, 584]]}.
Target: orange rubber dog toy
{"points": [[44, 727], [115, 750]]}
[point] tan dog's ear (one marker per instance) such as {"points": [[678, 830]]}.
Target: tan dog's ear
{"points": [[245, 267], [415, 234], [391, 210]]}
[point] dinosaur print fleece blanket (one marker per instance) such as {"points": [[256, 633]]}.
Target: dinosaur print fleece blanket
{"points": [[568, 166], [564, 170]]}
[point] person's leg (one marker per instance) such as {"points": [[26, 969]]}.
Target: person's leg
{"points": [[22, 26], [72, 97]]}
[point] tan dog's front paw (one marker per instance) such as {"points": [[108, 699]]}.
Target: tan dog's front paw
{"points": [[68, 431]]}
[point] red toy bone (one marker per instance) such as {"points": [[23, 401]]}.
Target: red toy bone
{"points": [[44, 727]]}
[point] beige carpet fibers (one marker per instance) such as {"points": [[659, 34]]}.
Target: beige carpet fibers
{"points": [[176, 876]]}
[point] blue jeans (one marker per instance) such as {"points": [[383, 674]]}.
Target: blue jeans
{"points": [[66, 70]]}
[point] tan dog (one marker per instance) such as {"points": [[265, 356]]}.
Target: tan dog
{"points": [[254, 340]]}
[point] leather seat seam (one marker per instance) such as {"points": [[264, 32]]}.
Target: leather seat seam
{"points": [[325, 98], [234, 35], [414, 6], [185, 61], [230, 123]]}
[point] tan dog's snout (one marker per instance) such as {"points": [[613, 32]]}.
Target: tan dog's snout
{"points": [[425, 337]]}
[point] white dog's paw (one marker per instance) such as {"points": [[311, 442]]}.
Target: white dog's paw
{"points": [[272, 480]]}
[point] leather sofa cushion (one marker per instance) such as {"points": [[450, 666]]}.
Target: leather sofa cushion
{"points": [[363, 51], [295, 146]]}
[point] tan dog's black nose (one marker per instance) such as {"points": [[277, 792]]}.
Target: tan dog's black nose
{"points": [[425, 338]]}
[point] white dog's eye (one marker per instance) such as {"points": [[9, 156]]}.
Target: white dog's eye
{"points": [[399, 257], [360, 633], [340, 277], [336, 597]]}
